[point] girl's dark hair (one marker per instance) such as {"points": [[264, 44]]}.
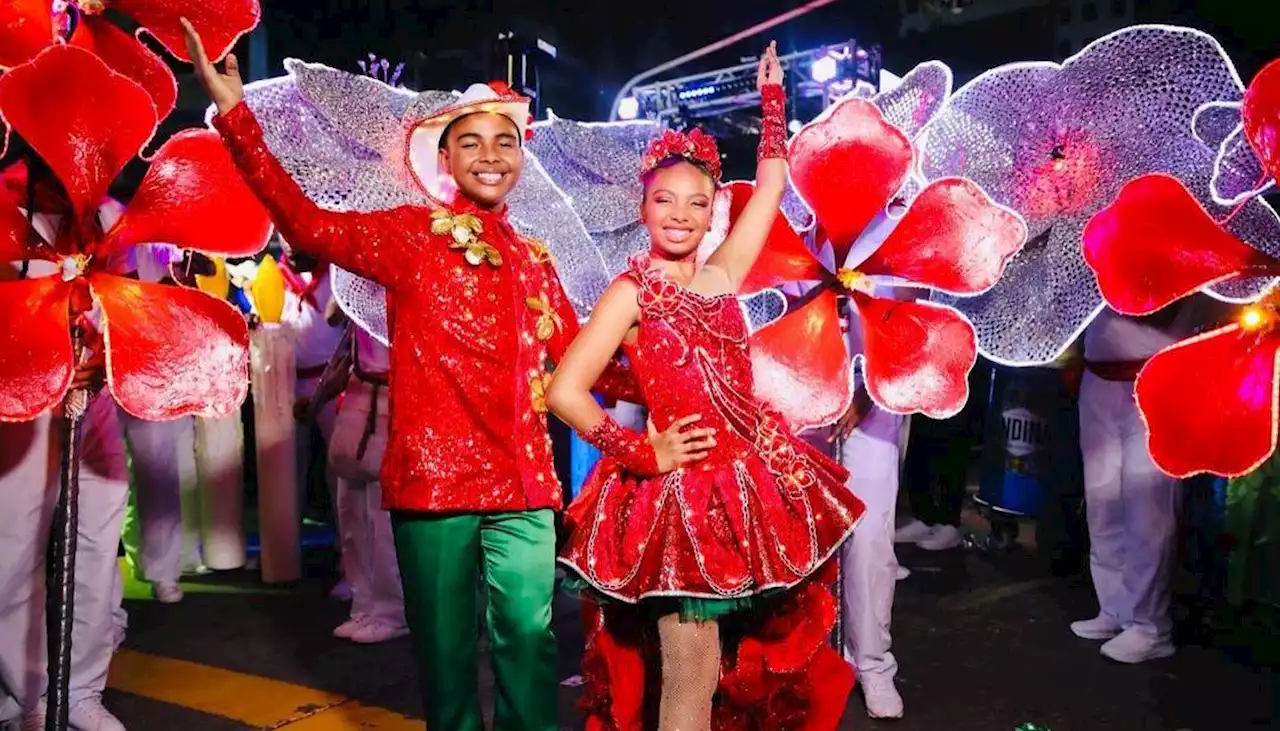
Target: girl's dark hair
{"points": [[672, 162]]}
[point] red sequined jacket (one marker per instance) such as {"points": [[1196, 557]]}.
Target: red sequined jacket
{"points": [[475, 313]]}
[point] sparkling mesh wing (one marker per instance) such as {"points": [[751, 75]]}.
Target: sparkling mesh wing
{"points": [[363, 301], [763, 308], [1237, 172], [1214, 121], [1056, 143], [541, 210], [917, 99]]}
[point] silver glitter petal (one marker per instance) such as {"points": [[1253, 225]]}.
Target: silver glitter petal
{"points": [[763, 308], [1214, 121], [918, 98], [1056, 143], [1237, 172]]}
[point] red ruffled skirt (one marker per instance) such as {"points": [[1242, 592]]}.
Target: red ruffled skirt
{"points": [[725, 529]]}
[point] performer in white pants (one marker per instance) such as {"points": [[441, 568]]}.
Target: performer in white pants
{"points": [[1132, 508], [355, 454]]}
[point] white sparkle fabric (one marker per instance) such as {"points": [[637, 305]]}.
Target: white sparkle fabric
{"points": [[1056, 142]]}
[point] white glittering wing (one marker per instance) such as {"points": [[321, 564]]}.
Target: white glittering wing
{"points": [[1055, 144], [1238, 174]]}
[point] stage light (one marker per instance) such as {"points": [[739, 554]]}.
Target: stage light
{"points": [[824, 69], [629, 108], [794, 126], [1252, 318]]}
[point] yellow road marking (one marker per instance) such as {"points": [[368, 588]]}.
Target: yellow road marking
{"points": [[249, 699]]}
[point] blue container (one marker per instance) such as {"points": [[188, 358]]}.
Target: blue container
{"points": [[1031, 443], [582, 457]]}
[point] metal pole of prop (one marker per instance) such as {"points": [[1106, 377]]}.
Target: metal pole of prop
{"points": [[712, 48], [60, 564], [838, 630]]}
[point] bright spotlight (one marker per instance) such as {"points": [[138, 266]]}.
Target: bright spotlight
{"points": [[629, 108], [824, 69], [1252, 318], [794, 126]]}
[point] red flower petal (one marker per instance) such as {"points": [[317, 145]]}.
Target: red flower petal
{"points": [[1156, 244], [1260, 114], [13, 232], [801, 364], [172, 351], [220, 24], [26, 28], [86, 121], [193, 197], [1226, 424], [35, 346], [847, 165], [784, 259], [125, 55], [917, 355], [953, 238]]}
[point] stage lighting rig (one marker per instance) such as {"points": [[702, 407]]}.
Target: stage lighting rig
{"points": [[824, 73]]}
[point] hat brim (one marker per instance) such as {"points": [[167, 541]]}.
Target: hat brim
{"points": [[424, 140]]}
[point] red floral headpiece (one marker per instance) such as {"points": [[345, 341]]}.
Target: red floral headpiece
{"points": [[697, 146]]}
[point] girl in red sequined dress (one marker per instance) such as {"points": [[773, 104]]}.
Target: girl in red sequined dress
{"points": [[716, 529]]}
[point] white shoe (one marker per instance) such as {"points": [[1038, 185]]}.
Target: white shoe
{"points": [[902, 572], [912, 532], [1100, 627], [379, 630], [880, 696], [1133, 646], [942, 538], [348, 628], [167, 592], [90, 715]]}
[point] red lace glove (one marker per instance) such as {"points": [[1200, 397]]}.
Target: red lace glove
{"points": [[629, 448], [773, 127]]}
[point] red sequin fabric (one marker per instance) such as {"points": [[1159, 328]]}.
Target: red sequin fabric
{"points": [[630, 449], [476, 314], [763, 511], [773, 122]]}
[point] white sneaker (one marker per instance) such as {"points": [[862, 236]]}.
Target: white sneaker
{"points": [[880, 696], [912, 532], [902, 572], [1133, 646], [348, 628], [167, 592], [942, 538], [90, 715], [1100, 627], [379, 630]]}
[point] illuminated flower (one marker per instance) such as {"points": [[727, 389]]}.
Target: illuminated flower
{"points": [[170, 351], [1210, 402], [1055, 142], [849, 164], [29, 26]]}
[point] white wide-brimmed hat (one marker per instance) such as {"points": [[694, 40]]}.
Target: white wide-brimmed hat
{"points": [[424, 137]]}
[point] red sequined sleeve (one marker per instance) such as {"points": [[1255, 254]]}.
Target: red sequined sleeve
{"points": [[369, 244], [617, 383], [628, 448], [773, 125]]}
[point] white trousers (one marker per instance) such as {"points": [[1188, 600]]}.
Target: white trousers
{"points": [[368, 547], [324, 425], [1132, 509], [29, 482], [165, 542], [868, 565]]}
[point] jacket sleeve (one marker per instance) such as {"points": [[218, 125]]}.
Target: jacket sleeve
{"points": [[618, 382], [371, 245]]}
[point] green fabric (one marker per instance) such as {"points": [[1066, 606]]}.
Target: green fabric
{"points": [[1252, 519], [690, 609], [442, 561]]}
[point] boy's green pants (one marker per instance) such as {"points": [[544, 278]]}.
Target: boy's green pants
{"points": [[442, 560]]}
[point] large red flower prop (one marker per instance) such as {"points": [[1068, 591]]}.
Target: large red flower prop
{"points": [[1151, 247], [29, 26], [169, 351], [1260, 117], [848, 165]]}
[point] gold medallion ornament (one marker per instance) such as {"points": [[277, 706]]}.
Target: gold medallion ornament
{"points": [[549, 323], [540, 251], [465, 230], [538, 392]]}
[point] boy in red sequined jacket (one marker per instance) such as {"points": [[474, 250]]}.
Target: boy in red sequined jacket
{"points": [[476, 313]]}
